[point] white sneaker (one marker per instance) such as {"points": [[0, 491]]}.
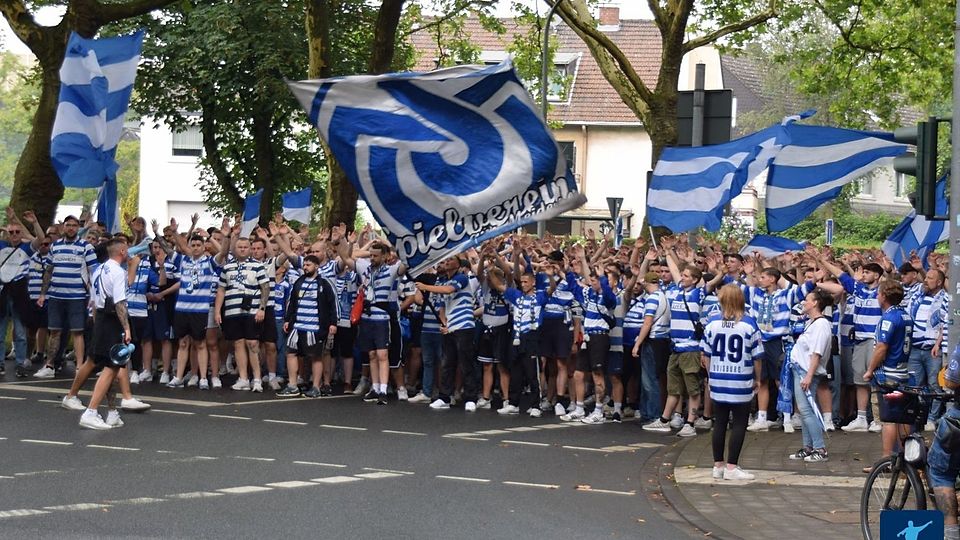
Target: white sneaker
{"points": [[596, 417], [439, 404], [193, 381], [483, 403], [737, 474], [508, 409], [72, 403], [164, 378], [559, 410], [46, 372], [93, 421], [204, 385], [718, 473], [241, 384], [113, 419], [146, 376], [830, 427], [257, 387], [875, 427], [676, 422], [215, 382], [470, 406], [788, 427], [659, 426], [534, 412], [545, 404], [362, 387], [858, 424], [758, 425], [402, 394], [702, 423], [134, 377], [929, 426], [577, 414], [133, 404], [419, 398], [273, 383], [175, 382], [571, 406], [687, 431]]}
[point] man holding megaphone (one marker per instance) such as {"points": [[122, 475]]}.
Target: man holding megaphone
{"points": [[111, 327]]}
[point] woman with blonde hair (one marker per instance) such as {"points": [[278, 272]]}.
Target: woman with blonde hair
{"points": [[732, 354]]}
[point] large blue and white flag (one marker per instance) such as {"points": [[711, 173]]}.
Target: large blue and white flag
{"points": [[108, 208], [444, 160], [918, 233], [251, 213], [296, 205], [816, 164], [96, 81], [770, 246]]}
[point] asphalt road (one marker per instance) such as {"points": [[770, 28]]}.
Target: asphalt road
{"points": [[241, 465]]}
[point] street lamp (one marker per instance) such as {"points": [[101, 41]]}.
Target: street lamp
{"points": [[542, 225]]}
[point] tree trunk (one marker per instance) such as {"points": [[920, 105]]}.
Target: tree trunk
{"points": [[264, 158], [36, 184]]}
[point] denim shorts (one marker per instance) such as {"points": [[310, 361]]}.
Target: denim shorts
{"points": [[943, 468], [69, 315]]}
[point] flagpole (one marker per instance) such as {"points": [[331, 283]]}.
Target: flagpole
{"points": [[544, 53], [954, 213]]}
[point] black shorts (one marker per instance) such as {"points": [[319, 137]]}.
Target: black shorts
{"points": [[306, 344], [494, 344], [556, 339], [268, 328], [34, 316], [594, 357], [158, 326], [137, 327], [374, 335], [193, 325], [105, 333], [772, 359], [343, 341], [416, 328], [242, 327]]}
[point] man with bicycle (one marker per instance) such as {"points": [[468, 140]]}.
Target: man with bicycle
{"points": [[943, 466]]}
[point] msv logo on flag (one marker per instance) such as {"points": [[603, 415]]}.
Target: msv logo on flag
{"points": [[445, 159], [911, 525]]}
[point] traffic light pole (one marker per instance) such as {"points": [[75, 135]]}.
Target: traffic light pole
{"points": [[954, 335]]}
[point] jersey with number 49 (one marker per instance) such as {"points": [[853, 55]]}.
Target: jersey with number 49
{"points": [[732, 348]]}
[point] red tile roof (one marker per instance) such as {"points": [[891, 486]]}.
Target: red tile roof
{"points": [[592, 99]]}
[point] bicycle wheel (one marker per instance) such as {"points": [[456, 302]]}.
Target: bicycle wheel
{"points": [[892, 484]]}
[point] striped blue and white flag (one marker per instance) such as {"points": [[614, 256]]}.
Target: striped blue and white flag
{"points": [[96, 81], [816, 164], [251, 212], [444, 160], [770, 246], [918, 233], [296, 205]]}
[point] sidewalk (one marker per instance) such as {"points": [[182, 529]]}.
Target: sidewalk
{"points": [[789, 499]]}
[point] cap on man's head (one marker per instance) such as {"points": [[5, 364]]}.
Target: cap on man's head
{"points": [[651, 277]]}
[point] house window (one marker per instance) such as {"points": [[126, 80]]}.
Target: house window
{"points": [[557, 82], [569, 150], [865, 186], [188, 142]]}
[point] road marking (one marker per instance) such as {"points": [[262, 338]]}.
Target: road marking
{"points": [[606, 491], [194, 495], [645, 445], [284, 400], [228, 417], [254, 458], [522, 429], [76, 507], [350, 428], [286, 422], [394, 432], [167, 452], [11, 398], [39, 441], [6, 477], [702, 475], [388, 470], [466, 438], [335, 480], [526, 443], [619, 448], [34, 473], [319, 464], [203, 458], [493, 432], [291, 484], [167, 411], [105, 447], [3, 438], [86, 393], [239, 490], [457, 435], [378, 475], [138, 500], [54, 401], [588, 449], [464, 478], [21, 513], [529, 484], [552, 426]]}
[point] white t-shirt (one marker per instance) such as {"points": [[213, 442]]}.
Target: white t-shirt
{"points": [[814, 340]]}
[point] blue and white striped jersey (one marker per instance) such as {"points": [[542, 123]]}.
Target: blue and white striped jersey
{"points": [[281, 290], [597, 307], [772, 311], [431, 324], [241, 282], [866, 307], [732, 347], [38, 265], [929, 313], [657, 306], [616, 333], [198, 279], [137, 291], [527, 310], [909, 291], [14, 261], [685, 306], [846, 321], [458, 305], [560, 302], [72, 263], [379, 284], [307, 316], [346, 287], [496, 311]]}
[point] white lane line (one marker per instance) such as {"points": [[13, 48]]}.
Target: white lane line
{"points": [[6, 477], [522, 429], [239, 490], [167, 411], [254, 458], [526, 443], [76, 507], [34, 473], [467, 438], [21, 513], [645, 445], [194, 495], [228, 417], [378, 475], [168, 452], [54, 401], [395, 432], [588, 449], [552, 426], [350, 428], [464, 479], [40, 441], [3, 438], [529, 484], [138, 500], [285, 422], [619, 448], [457, 435], [291, 484], [335, 480], [606, 491], [319, 464], [105, 447], [86, 393], [493, 432], [388, 470], [11, 398], [203, 458]]}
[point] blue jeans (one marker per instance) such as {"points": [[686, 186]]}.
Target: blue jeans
{"points": [[812, 427], [943, 468], [281, 350], [431, 352], [836, 384], [926, 369], [19, 333], [649, 384]]}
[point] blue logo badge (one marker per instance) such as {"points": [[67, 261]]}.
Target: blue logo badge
{"points": [[911, 525]]}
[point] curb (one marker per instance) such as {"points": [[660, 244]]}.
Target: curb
{"points": [[665, 494]]}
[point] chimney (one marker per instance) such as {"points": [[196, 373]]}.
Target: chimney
{"points": [[610, 17]]}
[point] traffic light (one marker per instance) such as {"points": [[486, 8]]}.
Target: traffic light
{"points": [[922, 164]]}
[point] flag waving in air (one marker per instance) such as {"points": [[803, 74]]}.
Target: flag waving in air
{"points": [[917, 233], [445, 159], [296, 205]]}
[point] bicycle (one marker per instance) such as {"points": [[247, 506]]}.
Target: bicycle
{"points": [[897, 482]]}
